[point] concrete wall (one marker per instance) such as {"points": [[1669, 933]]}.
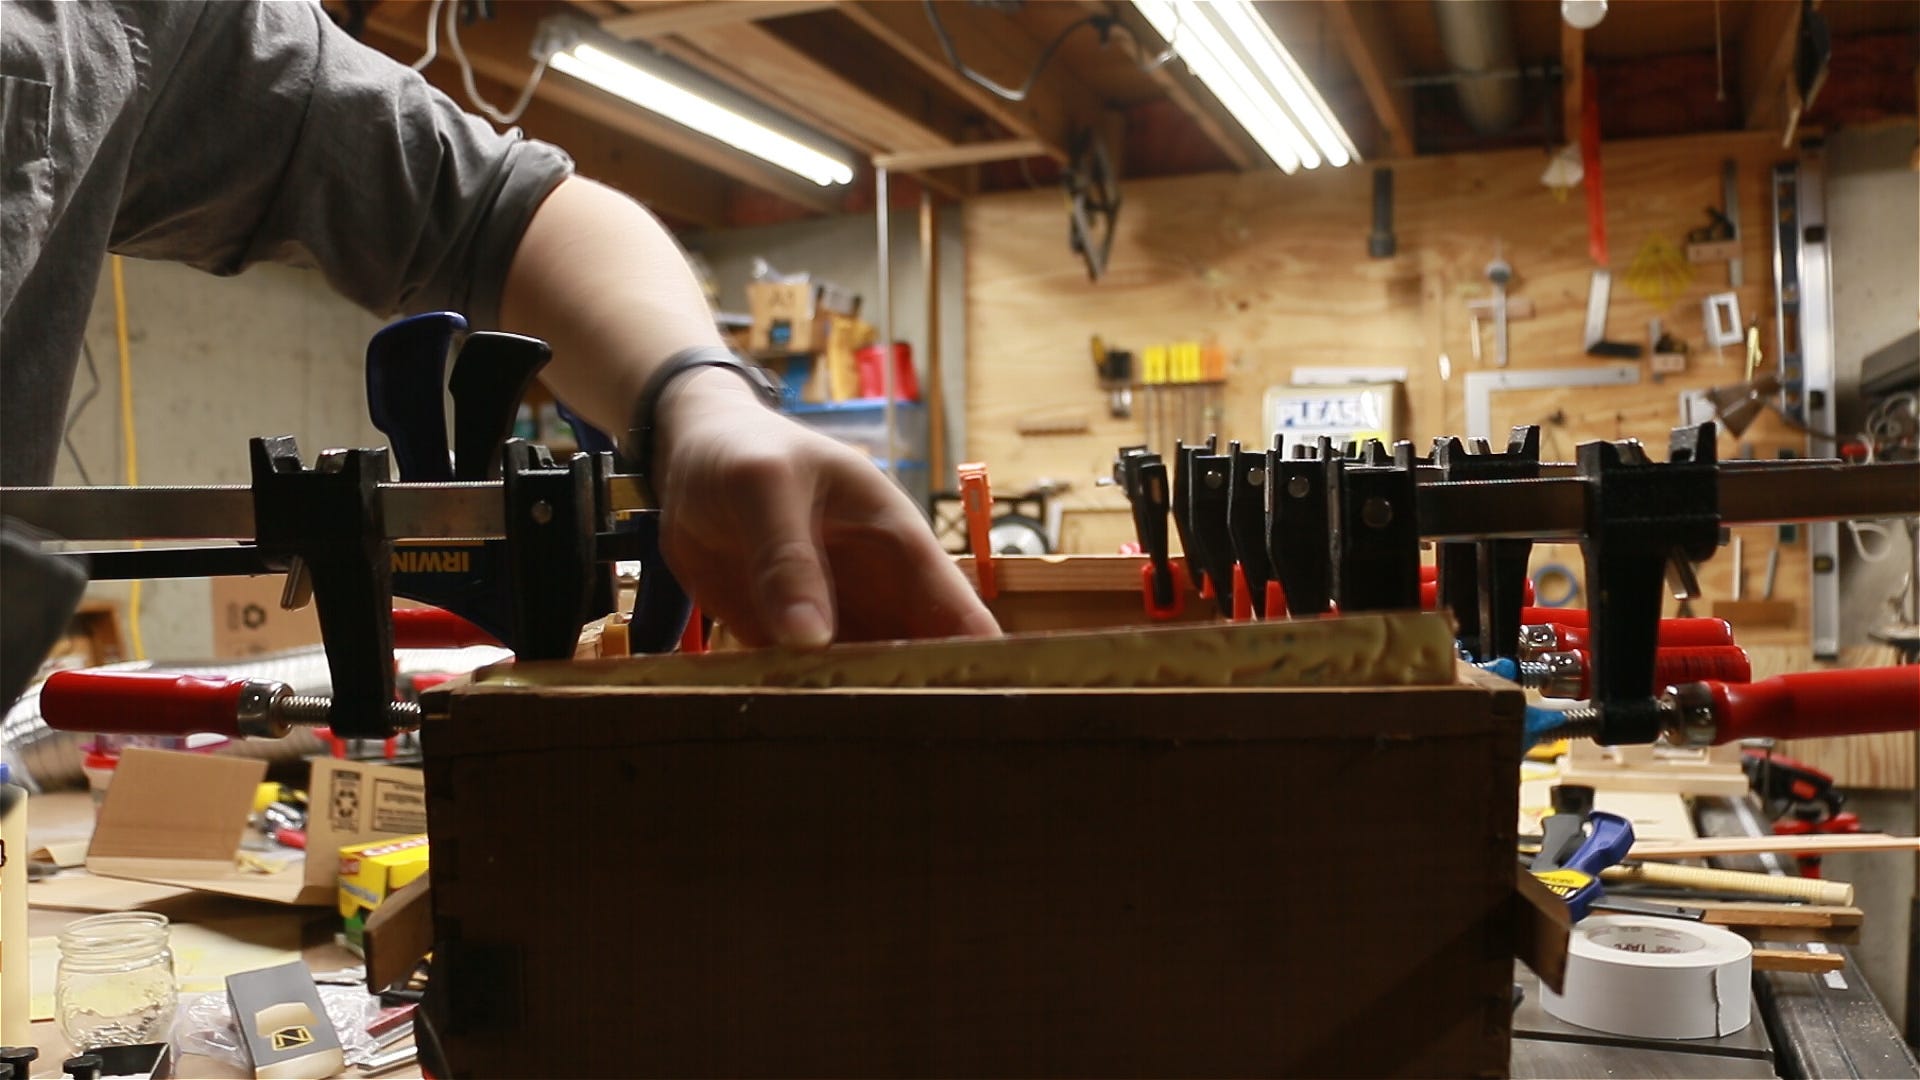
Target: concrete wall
{"points": [[215, 361], [843, 250], [1873, 217]]}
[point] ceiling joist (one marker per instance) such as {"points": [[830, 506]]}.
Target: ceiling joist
{"points": [[684, 16], [1368, 41], [1766, 61], [1058, 104], [1185, 91], [498, 49]]}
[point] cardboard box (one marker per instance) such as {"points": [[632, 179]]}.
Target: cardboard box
{"points": [[248, 619], [784, 317], [175, 818], [371, 872], [1227, 881]]}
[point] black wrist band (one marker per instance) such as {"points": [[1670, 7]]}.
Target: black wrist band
{"points": [[637, 447]]}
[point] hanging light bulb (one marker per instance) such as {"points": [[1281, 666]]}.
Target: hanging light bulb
{"points": [[1583, 14]]}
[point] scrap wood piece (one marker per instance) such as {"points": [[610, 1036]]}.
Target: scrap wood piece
{"points": [[1832, 924], [1542, 928], [1812, 963], [399, 933], [1394, 649], [1755, 845]]}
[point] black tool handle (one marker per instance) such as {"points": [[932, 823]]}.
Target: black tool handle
{"points": [[406, 391], [1151, 504], [489, 379]]}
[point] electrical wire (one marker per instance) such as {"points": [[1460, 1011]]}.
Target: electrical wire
{"points": [[504, 119], [1105, 23], [433, 36], [73, 414], [128, 445]]}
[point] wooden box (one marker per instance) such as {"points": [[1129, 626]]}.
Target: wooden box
{"points": [[634, 881], [784, 318]]}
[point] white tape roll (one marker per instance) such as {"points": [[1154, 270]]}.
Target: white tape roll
{"points": [[1655, 978]]}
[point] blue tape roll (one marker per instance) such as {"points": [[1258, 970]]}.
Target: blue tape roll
{"points": [[1548, 573]]}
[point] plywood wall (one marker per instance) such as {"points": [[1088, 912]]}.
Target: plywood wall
{"points": [[1275, 267]]}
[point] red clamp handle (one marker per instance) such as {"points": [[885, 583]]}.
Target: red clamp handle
{"points": [[1560, 616], [141, 703], [1430, 599], [1814, 704], [1181, 583], [1686, 633], [435, 628]]}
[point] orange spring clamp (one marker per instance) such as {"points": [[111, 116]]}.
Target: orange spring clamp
{"points": [[976, 497]]}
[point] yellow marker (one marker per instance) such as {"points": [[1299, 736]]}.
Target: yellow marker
{"points": [[1153, 365]]}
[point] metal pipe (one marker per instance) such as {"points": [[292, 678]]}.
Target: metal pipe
{"points": [[886, 320], [1477, 37]]}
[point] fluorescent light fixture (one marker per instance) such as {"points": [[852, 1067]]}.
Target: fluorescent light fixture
{"points": [[1230, 47], [679, 97]]}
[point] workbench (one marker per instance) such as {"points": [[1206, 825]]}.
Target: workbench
{"points": [[1815, 1026], [68, 815], [1805, 1025]]}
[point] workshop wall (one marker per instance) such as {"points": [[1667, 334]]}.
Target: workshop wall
{"points": [[1275, 268], [842, 250], [215, 361]]}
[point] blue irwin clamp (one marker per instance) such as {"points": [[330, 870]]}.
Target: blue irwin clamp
{"points": [[1576, 878], [534, 589]]}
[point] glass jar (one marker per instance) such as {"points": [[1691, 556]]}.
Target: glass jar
{"points": [[115, 982]]}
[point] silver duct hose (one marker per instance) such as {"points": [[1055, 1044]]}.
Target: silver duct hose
{"points": [[43, 758]]}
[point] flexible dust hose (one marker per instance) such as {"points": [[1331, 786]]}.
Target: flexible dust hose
{"points": [[46, 759]]}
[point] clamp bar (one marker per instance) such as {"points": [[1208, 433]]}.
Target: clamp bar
{"points": [[1556, 507], [437, 511]]}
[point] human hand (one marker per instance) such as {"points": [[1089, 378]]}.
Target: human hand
{"points": [[789, 537]]}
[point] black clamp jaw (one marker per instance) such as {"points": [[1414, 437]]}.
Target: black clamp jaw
{"points": [[329, 518], [1646, 522], [1142, 475], [1375, 542], [1209, 495], [1247, 521], [1483, 582], [1299, 530]]}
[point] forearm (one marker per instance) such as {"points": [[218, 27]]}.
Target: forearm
{"points": [[598, 278]]}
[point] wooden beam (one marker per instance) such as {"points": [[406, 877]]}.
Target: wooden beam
{"points": [[497, 48], [1573, 79], [680, 18], [993, 44], [1368, 40], [671, 186], [963, 154], [792, 81], [1187, 92], [1766, 61]]}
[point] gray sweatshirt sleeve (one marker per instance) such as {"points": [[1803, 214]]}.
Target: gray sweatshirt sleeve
{"points": [[272, 136]]}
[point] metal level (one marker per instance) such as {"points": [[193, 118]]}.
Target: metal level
{"points": [[454, 511]]}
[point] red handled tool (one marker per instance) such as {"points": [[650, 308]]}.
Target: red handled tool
{"points": [[1808, 705], [1558, 637], [157, 703]]}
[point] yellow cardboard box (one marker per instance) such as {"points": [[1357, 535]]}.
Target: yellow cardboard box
{"points": [[371, 872]]}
